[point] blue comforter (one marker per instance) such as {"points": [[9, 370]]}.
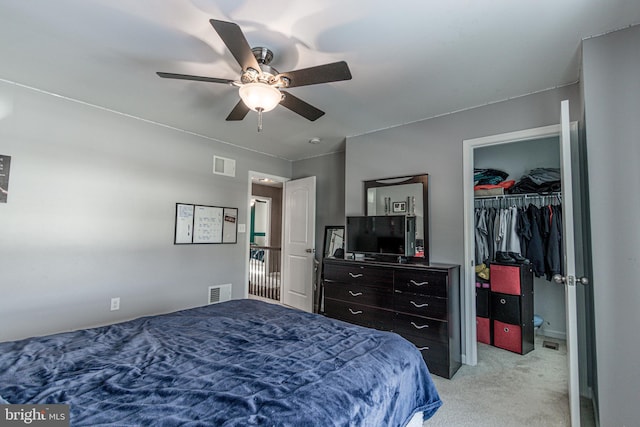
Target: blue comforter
{"points": [[238, 363]]}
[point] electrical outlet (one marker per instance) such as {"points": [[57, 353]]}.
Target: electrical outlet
{"points": [[115, 303]]}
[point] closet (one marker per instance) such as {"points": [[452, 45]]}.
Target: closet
{"points": [[518, 159]]}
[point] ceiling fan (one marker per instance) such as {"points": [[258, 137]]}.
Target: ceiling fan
{"points": [[260, 85]]}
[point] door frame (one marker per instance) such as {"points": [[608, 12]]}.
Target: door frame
{"points": [[470, 356], [251, 176]]}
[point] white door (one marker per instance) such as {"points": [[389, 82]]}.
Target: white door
{"points": [[299, 242], [569, 279]]}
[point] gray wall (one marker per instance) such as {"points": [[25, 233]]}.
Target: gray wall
{"points": [[90, 215], [611, 85], [329, 171]]}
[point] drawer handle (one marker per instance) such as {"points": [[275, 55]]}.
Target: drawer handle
{"points": [[419, 327], [355, 312], [503, 301], [418, 283], [419, 305], [506, 329], [355, 276], [356, 294], [423, 348]]}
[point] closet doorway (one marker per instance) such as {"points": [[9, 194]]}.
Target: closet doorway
{"points": [[557, 301]]}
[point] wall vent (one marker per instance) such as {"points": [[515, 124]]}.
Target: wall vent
{"points": [[224, 166], [219, 293]]}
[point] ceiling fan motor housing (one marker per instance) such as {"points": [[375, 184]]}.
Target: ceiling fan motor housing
{"points": [[266, 74], [263, 55]]}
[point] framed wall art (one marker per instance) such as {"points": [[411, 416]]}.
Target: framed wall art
{"points": [[202, 224]]}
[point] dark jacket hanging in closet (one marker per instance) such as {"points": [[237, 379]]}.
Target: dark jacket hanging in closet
{"points": [[535, 245], [554, 242]]}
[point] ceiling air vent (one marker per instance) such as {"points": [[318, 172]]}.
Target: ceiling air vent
{"points": [[219, 293], [224, 166]]}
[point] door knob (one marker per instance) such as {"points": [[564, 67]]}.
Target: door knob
{"points": [[309, 250], [560, 279]]}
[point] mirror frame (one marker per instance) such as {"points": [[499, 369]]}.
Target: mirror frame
{"points": [[401, 180], [328, 230]]}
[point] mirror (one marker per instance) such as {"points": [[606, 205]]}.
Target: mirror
{"points": [[406, 195], [333, 241]]}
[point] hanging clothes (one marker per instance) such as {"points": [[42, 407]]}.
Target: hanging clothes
{"points": [[554, 243], [535, 245], [481, 236], [533, 231], [524, 231], [513, 240]]}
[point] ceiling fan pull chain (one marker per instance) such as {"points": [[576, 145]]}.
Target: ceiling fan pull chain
{"points": [[259, 119]]}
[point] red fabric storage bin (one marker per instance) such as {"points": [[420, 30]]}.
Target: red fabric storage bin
{"points": [[483, 330], [505, 279], [507, 336]]}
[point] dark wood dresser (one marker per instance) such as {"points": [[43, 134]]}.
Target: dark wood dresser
{"points": [[419, 302]]}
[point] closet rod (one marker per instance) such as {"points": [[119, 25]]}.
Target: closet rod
{"points": [[522, 196]]}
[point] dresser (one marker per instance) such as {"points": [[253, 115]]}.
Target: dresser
{"points": [[419, 302]]}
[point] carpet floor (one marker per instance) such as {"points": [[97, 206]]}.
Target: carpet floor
{"points": [[508, 389]]}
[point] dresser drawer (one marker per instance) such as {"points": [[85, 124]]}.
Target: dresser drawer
{"points": [[359, 274], [432, 351], [435, 330], [423, 282], [421, 305], [359, 294], [358, 314]]}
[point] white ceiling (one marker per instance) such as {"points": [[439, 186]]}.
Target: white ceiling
{"points": [[410, 60]]}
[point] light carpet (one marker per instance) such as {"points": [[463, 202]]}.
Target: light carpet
{"points": [[507, 389]]}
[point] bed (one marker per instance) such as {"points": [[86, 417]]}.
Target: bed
{"points": [[237, 363]]}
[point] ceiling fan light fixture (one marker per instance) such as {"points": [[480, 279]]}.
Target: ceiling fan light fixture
{"points": [[260, 96]]}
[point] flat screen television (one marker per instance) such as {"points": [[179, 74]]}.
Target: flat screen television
{"points": [[381, 235]]}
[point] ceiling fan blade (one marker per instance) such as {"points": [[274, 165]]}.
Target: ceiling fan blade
{"points": [[298, 106], [239, 112], [232, 36], [196, 78], [333, 72]]}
